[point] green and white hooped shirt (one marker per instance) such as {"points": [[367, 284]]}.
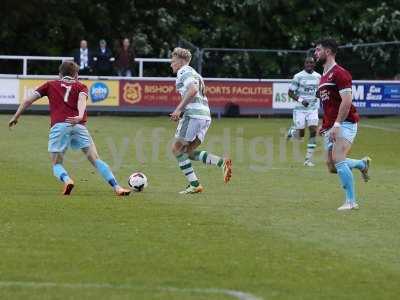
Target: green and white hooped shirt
{"points": [[305, 85], [198, 108]]}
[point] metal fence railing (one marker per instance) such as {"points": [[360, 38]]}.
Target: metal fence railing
{"points": [[366, 61], [27, 58], [141, 62]]}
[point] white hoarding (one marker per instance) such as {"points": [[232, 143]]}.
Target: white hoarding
{"points": [[9, 91], [280, 97]]}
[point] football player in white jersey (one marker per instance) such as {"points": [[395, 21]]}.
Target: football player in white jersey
{"points": [[303, 89], [193, 114]]}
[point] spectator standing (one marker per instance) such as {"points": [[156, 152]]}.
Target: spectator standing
{"points": [[125, 60], [104, 60], [84, 58]]}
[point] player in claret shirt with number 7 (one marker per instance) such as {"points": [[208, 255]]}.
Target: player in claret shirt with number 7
{"points": [[339, 126], [67, 104]]}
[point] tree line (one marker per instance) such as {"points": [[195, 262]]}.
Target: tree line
{"points": [[51, 27]]}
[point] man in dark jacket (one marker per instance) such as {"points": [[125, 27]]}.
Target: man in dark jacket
{"points": [[103, 60]]}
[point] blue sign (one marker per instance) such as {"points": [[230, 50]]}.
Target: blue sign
{"points": [[392, 92], [373, 92], [376, 95], [99, 92]]}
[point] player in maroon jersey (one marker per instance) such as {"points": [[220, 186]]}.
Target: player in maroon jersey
{"points": [[67, 104], [339, 126]]}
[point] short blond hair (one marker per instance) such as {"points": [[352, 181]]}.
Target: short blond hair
{"points": [[182, 53]]}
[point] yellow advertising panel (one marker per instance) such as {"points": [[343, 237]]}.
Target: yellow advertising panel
{"points": [[27, 86], [101, 92]]}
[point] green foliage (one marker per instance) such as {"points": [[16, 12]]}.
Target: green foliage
{"points": [[44, 27]]}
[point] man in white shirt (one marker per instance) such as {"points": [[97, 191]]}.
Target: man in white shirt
{"points": [[83, 57], [303, 90]]}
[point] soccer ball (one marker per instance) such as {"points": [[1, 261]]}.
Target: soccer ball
{"points": [[137, 181]]}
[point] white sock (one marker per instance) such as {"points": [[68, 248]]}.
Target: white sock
{"points": [[210, 159], [310, 151]]}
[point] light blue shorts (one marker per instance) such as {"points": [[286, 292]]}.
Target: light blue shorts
{"points": [[65, 135], [348, 131]]}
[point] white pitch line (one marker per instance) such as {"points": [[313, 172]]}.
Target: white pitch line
{"points": [[380, 128], [37, 285]]}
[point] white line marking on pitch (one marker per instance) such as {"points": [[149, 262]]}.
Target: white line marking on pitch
{"points": [[394, 129], [31, 284]]}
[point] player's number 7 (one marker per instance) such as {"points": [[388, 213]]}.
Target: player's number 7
{"points": [[68, 90]]}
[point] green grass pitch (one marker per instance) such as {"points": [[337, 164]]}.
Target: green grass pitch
{"points": [[272, 233]]}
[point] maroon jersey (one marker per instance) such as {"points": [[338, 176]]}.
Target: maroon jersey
{"points": [[332, 83], [63, 98]]}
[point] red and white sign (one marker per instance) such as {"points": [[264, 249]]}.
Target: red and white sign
{"points": [[219, 93], [148, 93], [243, 93]]}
